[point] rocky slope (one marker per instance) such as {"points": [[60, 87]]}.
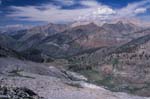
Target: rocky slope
{"points": [[51, 86]]}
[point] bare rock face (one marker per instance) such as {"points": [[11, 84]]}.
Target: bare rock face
{"points": [[75, 76]]}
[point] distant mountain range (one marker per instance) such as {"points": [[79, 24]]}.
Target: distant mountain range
{"points": [[85, 36], [13, 28], [61, 40]]}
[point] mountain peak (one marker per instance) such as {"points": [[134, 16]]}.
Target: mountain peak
{"points": [[92, 24], [120, 23]]}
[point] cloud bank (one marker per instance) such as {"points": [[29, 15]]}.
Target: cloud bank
{"points": [[89, 11]]}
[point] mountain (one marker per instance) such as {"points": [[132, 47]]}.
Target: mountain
{"points": [[92, 35], [64, 44], [135, 45], [57, 40], [60, 40], [45, 30], [59, 44], [123, 68], [121, 27], [11, 29], [89, 35], [7, 41], [6, 52], [30, 37], [132, 64]]}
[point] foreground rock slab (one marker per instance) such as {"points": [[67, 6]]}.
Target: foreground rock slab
{"points": [[55, 88]]}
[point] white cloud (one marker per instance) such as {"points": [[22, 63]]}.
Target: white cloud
{"points": [[93, 11], [14, 26], [133, 9], [140, 10], [105, 10], [66, 2]]}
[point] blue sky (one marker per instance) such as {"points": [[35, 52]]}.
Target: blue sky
{"points": [[34, 12]]}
